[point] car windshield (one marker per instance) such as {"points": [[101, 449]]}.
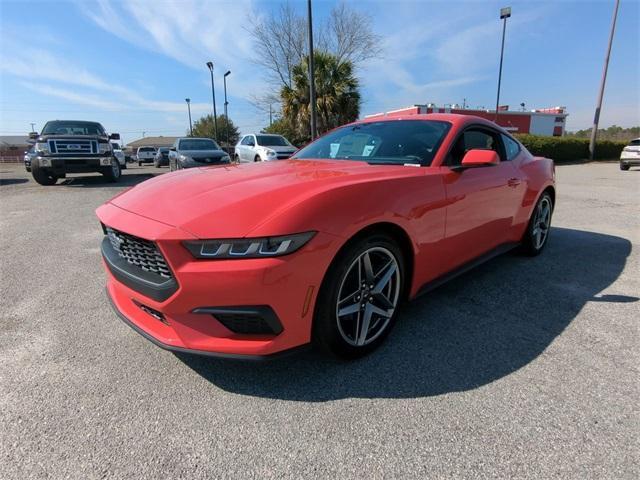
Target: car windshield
{"points": [[387, 142], [65, 127], [272, 141], [163, 149], [198, 144], [635, 142], [146, 149]]}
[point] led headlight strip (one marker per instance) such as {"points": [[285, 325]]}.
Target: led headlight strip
{"points": [[248, 247]]}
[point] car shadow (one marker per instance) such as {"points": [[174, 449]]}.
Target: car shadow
{"points": [[13, 181], [98, 181], [470, 332]]}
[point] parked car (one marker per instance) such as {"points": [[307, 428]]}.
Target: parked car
{"points": [[162, 157], [261, 258], [73, 146], [192, 152], [119, 154], [262, 147], [145, 155], [28, 156], [630, 156]]}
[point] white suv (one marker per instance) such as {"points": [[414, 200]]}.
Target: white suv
{"points": [[630, 156], [145, 154], [261, 147]]}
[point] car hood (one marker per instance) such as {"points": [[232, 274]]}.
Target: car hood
{"points": [[232, 200]]}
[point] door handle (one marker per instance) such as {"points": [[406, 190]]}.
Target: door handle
{"points": [[513, 182]]}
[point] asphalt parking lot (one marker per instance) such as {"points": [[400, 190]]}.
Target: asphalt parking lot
{"points": [[521, 368]]}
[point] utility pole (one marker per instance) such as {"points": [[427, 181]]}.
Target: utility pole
{"points": [[143, 134], [596, 117], [188, 100], [32, 127], [213, 95], [226, 114], [504, 14], [312, 82]]}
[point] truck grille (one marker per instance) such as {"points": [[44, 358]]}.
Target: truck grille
{"points": [[73, 146], [139, 252]]}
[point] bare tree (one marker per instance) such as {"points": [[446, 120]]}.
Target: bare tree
{"points": [[280, 39]]}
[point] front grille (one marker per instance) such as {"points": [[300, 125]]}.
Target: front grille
{"points": [[73, 146], [284, 156], [139, 252]]}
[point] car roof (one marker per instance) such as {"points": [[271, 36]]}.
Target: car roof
{"points": [[195, 138]]}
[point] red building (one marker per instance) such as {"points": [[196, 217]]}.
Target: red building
{"points": [[543, 121]]}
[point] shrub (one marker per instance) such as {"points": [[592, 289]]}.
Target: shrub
{"points": [[569, 149]]}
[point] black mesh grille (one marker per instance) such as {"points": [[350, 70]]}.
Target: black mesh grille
{"points": [[244, 323], [139, 252]]}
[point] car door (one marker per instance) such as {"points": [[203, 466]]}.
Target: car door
{"points": [[481, 201], [244, 149]]}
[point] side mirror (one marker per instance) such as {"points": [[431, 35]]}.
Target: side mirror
{"points": [[33, 135], [114, 136], [480, 158]]}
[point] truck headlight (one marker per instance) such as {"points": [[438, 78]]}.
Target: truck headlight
{"points": [[104, 148], [45, 162], [105, 162], [42, 147], [248, 247]]}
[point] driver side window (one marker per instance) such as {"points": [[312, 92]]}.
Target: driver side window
{"points": [[473, 138]]}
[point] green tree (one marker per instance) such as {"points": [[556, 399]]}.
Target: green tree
{"points": [[337, 95], [203, 127]]}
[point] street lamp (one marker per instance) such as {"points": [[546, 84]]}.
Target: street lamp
{"points": [[226, 115], [312, 81], [213, 95], [504, 14], [188, 100]]}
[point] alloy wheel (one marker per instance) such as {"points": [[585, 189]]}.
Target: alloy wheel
{"points": [[115, 169], [368, 296], [541, 223]]}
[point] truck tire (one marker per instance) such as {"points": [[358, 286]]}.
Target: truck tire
{"points": [[42, 176], [113, 173]]}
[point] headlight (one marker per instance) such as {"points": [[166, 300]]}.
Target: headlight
{"points": [[104, 148], [42, 147], [249, 247], [184, 158], [269, 152]]}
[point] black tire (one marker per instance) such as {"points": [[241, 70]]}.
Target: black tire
{"points": [[114, 172], [43, 177], [156, 164], [236, 158], [139, 164], [530, 242], [123, 167], [624, 167], [257, 158], [327, 335]]}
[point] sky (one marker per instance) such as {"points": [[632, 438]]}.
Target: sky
{"points": [[131, 64]]}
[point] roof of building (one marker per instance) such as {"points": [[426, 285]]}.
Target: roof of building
{"points": [[152, 142], [14, 140]]}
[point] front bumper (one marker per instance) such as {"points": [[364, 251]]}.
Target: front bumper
{"points": [[79, 164], [285, 285]]}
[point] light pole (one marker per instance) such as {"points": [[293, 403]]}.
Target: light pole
{"points": [[213, 95], [312, 83], [596, 117], [188, 100], [226, 114], [504, 14], [33, 127]]}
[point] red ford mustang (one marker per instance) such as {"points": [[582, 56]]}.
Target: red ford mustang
{"points": [[255, 259]]}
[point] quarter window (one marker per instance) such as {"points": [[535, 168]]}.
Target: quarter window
{"points": [[511, 147]]}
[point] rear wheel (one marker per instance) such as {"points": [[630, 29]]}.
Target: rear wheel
{"points": [[236, 158], [257, 158], [139, 163], [113, 173], [43, 177], [357, 304], [535, 238], [624, 167]]}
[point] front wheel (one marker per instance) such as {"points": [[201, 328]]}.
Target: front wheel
{"points": [[113, 173], [257, 159], [624, 167], [357, 304], [535, 238], [43, 177]]}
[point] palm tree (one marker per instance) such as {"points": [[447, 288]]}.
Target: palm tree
{"points": [[337, 96]]}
